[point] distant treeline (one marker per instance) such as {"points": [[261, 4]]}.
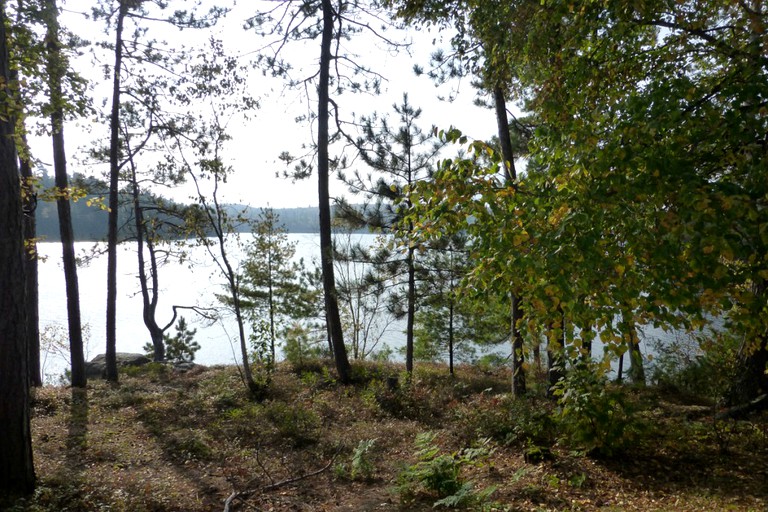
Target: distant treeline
{"points": [[90, 222]]}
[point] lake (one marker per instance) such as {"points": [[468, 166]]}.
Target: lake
{"points": [[193, 283]]}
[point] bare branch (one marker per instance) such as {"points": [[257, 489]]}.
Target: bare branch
{"points": [[243, 495]]}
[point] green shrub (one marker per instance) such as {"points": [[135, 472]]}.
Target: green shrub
{"points": [[360, 466], [508, 420], [293, 422], [189, 445], [179, 348], [698, 366], [594, 415], [438, 475], [301, 347]]}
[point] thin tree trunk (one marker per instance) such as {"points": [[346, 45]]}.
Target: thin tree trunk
{"points": [[323, 170], [30, 261], [518, 356], [555, 356], [17, 473], [234, 288], [636, 370], [587, 336], [55, 75], [450, 337], [149, 303], [114, 171], [29, 205], [537, 353], [271, 312], [411, 311]]}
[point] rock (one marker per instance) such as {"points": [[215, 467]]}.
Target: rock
{"points": [[184, 366], [97, 367]]}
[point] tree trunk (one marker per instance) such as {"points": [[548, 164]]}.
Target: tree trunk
{"points": [[271, 298], [149, 301], [55, 76], [450, 337], [751, 376], [255, 390], [412, 313], [114, 174], [518, 357], [636, 371], [30, 261], [323, 170], [17, 474], [555, 356], [587, 336]]}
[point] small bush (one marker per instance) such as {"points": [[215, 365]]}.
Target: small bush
{"points": [[507, 420], [696, 366], [179, 348], [438, 475], [189, 446], [595, 416], [302, 348], [361, 465], [411, 401], [293, 422]]}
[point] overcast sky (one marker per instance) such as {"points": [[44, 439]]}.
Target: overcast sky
{"points": [[253, 152]]}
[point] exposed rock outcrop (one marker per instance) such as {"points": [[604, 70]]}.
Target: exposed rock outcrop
{"points": [[96, 368]]}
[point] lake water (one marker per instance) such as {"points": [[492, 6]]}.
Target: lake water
{"points": [[193, 283]]}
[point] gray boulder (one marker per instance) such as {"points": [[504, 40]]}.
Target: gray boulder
{"points": [[96, 368]]}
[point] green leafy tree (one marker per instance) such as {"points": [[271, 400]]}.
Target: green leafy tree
{"points": [[274, 287], [481, 35], [398, 158], [141, 13], [451, 320], [50, 92], [644, 191], [329, 22], [181, 347]]}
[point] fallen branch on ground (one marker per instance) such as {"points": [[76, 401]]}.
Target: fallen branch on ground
{"points": [[244, 495], [743, 410]]}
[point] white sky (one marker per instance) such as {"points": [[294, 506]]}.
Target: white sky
{"points": [[254, 149]]}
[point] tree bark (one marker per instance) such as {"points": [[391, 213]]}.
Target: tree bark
{"points": [[323, 170], [411, 310], [30, 262], [750, 379], [17, 474], [55, 76], [450, 337], [114, 175], [518, 357], [149, 300], [555, 355]]}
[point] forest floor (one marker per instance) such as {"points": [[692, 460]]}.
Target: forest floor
{"points": [[166, 441]]}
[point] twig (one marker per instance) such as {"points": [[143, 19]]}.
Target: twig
{"points": [[271, 487]]}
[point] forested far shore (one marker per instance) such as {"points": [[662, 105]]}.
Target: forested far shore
{"points": [[89, 219]]}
